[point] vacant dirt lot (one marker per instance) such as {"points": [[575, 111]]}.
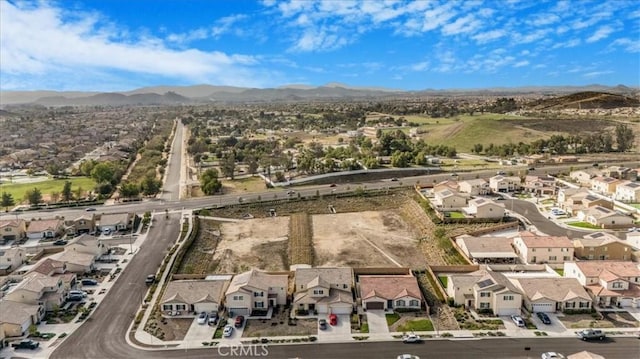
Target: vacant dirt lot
{"points": [[260, 243], [280, 325], [364, 239]]}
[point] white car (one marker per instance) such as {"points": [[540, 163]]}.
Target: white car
{"points": [[408, 356], [411, 338], [228, 330], [202, 318], [518, 320], [552, 355]]}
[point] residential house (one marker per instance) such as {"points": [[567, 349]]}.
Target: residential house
{"points": [[324, 290], [256, 290], [603, 246], [447, 184], [17, 317], [115, 222], [540, 185], [604, 185], [605, 218], [390, 292], [633, 239], [76, 262], [628, 192], [82, 224], [36, 288], [194, 296], [501, 183], [487, 249], [45, 228], [621, 173], [585, 176], [474, 187], [535, 249], [549, 295], [448, 199], [570, 199], [485, 291], [88, 244], [566, 159], [11, 259], [590, 201], [484, 208], [610, 283], [584, 355], [54, 268], [12, 229]]}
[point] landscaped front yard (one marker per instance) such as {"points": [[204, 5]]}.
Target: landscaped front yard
{"points": [[274, 327], [573, 321], [418, 325], [583, 225], [408, 322], [468, 322]]}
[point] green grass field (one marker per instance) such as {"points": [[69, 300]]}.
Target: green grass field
{"points": [[583, 225], [18, 190], [392, 318], [419, 325]]}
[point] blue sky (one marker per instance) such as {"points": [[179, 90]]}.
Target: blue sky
{"points": [[122, 44]]}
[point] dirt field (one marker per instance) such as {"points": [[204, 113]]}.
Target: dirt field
{"points": [[260, 243], [300, 239], [279, 325], [584, 321], [350, 239]]}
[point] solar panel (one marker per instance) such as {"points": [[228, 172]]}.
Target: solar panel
{"points": [[485, 283]]}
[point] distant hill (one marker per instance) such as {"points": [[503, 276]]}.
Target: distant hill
{"points": [[115, 99], [585, 100]]}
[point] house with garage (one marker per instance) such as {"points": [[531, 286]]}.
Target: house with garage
{"points": [[12, 229], [605, 218], [628, 191], [115, 222], [17, 317], [603, 246], [485, 291], [610, 283], [323, 290], [604, 185], [256, 290], [447, 184], [535, 249], [584, 177], [540, 185], [621, 173], [190, 297], [474, 187], [88, 244], [45, 228], [82, 224], [570, 199], [39, 289], [11, 259], [390, 292], [487, 249], [484, 208], [447, 199], [76, 262], [57, 269], [549, 295], [502, 183]]}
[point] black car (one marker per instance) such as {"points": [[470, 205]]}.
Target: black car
{"points": [[323, 324], [151, 278], [25, 344], [60, 242], [544, 318]]}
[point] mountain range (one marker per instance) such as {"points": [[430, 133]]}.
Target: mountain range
{"points": [[175, 95]]}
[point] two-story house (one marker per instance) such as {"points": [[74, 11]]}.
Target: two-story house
{"points": [[628, 191], [474, 187], [448, 199], [502, 183], [82, 224], [256, 290], [605, 218], [39, 289], [584, 177], [610, 283], [604, 185], [541, 185], [45, 228], [17, 317], [11, 259], [324, 290], [570, 199], [12, 229], [535, 249], [603, 246], [484, 208], [390, 292], [81, 254], [115, 222], [495, 293]]}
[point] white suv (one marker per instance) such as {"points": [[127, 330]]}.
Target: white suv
{"points": [[518, 320]]}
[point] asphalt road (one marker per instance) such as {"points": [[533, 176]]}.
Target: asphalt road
{"points": [[171, 188], [529, 210], [103, 334]]}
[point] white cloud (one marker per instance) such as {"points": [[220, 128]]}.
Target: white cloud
{"points": [[462, 25], [420, 66], [627, 44], [597, 73], [489, 36], [42, 40], [567, 44], [544, 20], [521, 63], [602, 33]]}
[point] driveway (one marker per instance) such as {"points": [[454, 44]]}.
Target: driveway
{"points": [[377, 322], [237, 332], [555, 327], [341, 331], [200, 332], [510, 325]]}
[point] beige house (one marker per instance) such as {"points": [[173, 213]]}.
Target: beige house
{"points": [[628, 191], [448, 199], [56, 269], [82, 224], [390, 292], [12, 229], [611, 283], [448, 184], [535, 249], [324, 290], [605, 218], [484, 208], [256, 290], [190, 297], [570, 199], [115, 222], [17, 317], [501, 183], [46, 228], [485, 291], [604, 185], [584, 177], [487, 249], [591, 201], [585, 355], [603, 246], [541, 185], [549, 295], [39, 289], [622, 173], [76, 262], [11, 259], [88, 244], [474, 187]]}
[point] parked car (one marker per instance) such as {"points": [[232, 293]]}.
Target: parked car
{"points": [[90, 209], [332, 185], [411, 338], [333, 319], [591, 334], [26, 344], [78, 292], [106, 231], [518, 320], [544, 318], [213, 318], [408, 356], [151, 278], [552, 355], [239, 321], [532, 168], [290, 192], [60, 242], [89, 281], [228, 330], [202, 318], [322, 323], [394, 179], [500, 173], [74, 298]]}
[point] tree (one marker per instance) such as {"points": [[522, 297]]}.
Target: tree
{"points": [[67, 194], [103, 172], [624, 137], [129, 189], [7, 201], [150, 186], [228, 165], [55, 197], [280, 176], [78, 193], [34, 196], [209, 182]]}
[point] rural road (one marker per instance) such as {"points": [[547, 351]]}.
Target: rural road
{"points": [[171, 189]]}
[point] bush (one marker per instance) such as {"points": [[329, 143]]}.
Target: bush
{"points": [[62, 335]]}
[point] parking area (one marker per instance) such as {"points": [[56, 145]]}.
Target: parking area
{"points": [[555, 327], [377, 322], [510, 325], [202, 332], [342, 330], [237, 332]]}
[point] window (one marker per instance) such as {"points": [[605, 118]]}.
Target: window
{"points": [[606, 249], [533, 249], [181, 307], [345, 286], [238, 297], [400, 303], [258, 294], [583, 304], [617, 285], [548, 249], [484, 306], [414, 303], [167, 307], [318, 291], [552, 258], [485, 294], [570, 305], [566, 258], [507, 297], [259, 304]]}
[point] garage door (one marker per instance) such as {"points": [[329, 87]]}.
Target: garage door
{"points": [[342, 310], [375, 305], [508, 311], [543, 307], [239, 311], [626, 302]]}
